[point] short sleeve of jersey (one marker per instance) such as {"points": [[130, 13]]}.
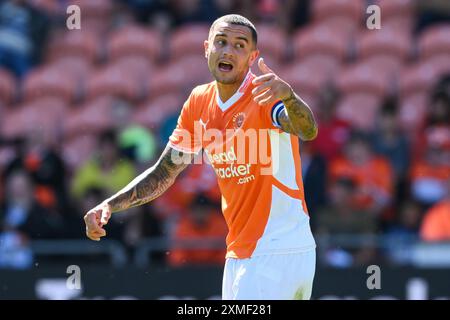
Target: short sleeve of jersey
{"points": [[185, 138], [271, 114]]}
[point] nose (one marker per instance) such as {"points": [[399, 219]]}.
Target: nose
{"points": [[228, 51]]}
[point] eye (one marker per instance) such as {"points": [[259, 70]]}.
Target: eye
{"points": [[221, 42], [239, 45]]}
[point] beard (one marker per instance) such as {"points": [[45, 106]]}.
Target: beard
{"points": [[230, 78]]}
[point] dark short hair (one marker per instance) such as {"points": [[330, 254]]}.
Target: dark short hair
{"points": [[237, 20]]}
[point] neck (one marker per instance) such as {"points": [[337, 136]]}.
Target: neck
{"points": [[226, 91]]}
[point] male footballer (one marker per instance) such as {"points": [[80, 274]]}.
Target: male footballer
{"points": [[270, 247]]}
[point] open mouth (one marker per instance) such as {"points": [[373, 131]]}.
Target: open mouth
{"points": [[225, 66]]}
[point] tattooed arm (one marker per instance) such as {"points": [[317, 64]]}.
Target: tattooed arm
{"points": [[144, 188], [297, 118]]}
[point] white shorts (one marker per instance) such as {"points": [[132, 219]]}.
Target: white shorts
{"points": [[270, 277]]}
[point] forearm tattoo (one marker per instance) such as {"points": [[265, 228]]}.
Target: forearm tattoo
{"points": [[150, 184], [298, 118]]}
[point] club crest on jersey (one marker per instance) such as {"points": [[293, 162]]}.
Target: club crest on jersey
{"points": [[238, 120]]}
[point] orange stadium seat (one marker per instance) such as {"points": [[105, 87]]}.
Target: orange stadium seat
{"points": [[272, 43], [320, 40], [48, 82], [362, 78], [359, 110], [325, 9], [188, 40], [45, 114], [135, 40], [78, 43], [152, 112], [112, 80], [179, 76], [435, 41], [7, 87], [91, 117]]}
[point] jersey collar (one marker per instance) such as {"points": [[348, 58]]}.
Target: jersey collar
{"points": [[237, 95]]}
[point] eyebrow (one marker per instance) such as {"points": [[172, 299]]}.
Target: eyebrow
{"points": [[221, 34]]}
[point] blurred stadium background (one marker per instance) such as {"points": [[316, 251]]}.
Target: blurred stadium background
{"points": [[83, 111]]}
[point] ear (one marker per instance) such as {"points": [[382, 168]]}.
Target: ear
{"points": [[253, 56], [206, 45]]}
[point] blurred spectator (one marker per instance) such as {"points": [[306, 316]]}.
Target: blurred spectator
{"points": [[371, 173], [23, 31], [106, 170], [20, 211], [436, 222], [333, 132], [389, 141], [430, 173], [37, 155], [203, 224], [138, 142], [198, 11], [406, 227], [403, 233], [431, 12], [288, 14], [314, 178], [342, 216]]}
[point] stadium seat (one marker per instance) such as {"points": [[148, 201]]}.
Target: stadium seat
{"points": [[435, 41], [48, 82], [421, 77], [179, 76], [112, 80], [100, 9], [136, 67], [188, 40], [135, 40], [45, 114], [326, 9], [397, 14], [386, 41], [7, 87], [320, 40], [359, 110], [305, 77], [362, 78], [152, 112], [272, 42], [91, 117], [396, 8], [78, 43], [346, 27]]}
